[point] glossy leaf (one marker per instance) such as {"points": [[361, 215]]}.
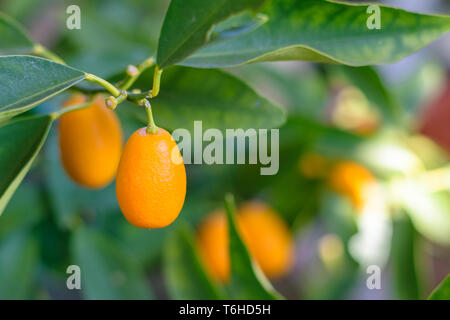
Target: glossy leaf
{"points": [[218, 99], [442, 291], [325, 31], [108, 272], [14, 39], [247, 280], [185, 275], [20, 142], [27, 81], [237, 25], [188, 24]]}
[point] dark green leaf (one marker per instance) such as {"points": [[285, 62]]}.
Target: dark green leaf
{"points": [[237, 25], [20, 142], [27, 81], [328, 141], [442, 291], [185, 276], [218, 99], [299, 88], [107, 271], [18, 263], [187, 25], [247, 280], [14, 39], [322, 31]]}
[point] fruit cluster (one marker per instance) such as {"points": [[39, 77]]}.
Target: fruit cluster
{"points": [[150, 186]]}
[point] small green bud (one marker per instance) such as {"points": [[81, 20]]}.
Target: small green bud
{"points": [[132, 71], [111, 102]]}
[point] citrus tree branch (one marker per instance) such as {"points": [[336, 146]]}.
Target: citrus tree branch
{"points": [[108, 86]]}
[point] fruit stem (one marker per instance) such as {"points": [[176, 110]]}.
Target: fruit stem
{"points": [[133, 73], [108, 86], [151, 127], [137, 96], [156, 82], [45, 53]]}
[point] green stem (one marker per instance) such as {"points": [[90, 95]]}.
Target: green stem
{"points": [[108, 86], [136, 97], [156, 81], [151, 127], [132, 77], [45, 53], [60, 112]]}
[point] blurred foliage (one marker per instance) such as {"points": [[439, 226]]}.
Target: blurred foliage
{"points": [[51, 223]]}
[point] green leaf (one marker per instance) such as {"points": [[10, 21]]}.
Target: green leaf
{"points": [[442, 291], [247, 280], [14, 39], [20, 142], [328, 141], [18, 263], [403, 254], [323, 31], [185, 275], [301, 90], [237, 25], [107, 271], [27, 81], [219, 99], [187, 25]]}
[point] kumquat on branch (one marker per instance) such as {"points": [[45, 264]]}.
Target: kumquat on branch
{"points": [[224, 150]]}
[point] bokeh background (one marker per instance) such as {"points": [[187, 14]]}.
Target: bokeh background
{"points": [[333, 116]]}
